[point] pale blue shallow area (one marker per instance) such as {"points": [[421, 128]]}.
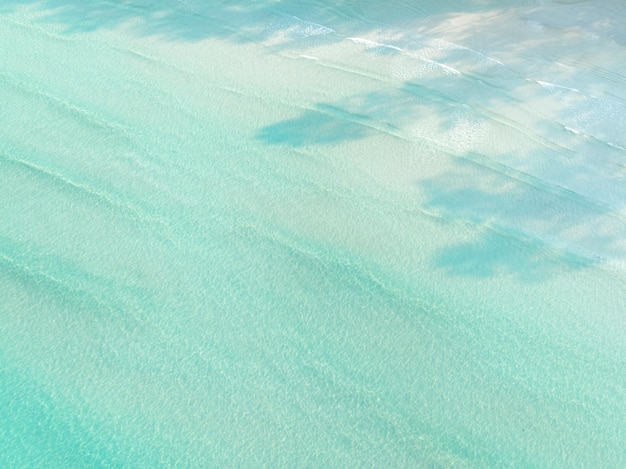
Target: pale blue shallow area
{"points": [[313, 233]]}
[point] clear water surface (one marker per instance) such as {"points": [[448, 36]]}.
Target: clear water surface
{"points": [[312, 233]]}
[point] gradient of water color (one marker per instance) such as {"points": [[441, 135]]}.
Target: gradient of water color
{"points": [[312, 233]]}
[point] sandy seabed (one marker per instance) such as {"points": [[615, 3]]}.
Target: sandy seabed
{"points": [[310, 234]]}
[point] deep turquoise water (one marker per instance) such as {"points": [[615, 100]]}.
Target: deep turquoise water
{"points": [[312, 234]]}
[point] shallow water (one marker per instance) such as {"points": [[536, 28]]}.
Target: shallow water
{"points": [[286, 234]]}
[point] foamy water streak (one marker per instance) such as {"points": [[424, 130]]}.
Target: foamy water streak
{"points": [[312, 234]]}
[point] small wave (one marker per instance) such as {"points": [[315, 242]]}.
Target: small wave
{"points": [[124, 207], [447, 68], [369, 44], [314, 29], [572, 130], [373, 44], [480, 54], [553, 86], [297, 28]]}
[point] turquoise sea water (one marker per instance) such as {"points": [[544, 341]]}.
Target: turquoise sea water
{"points": [[312, 233]]}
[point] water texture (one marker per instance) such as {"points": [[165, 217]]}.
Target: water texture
{"points": [[312, 233]]}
